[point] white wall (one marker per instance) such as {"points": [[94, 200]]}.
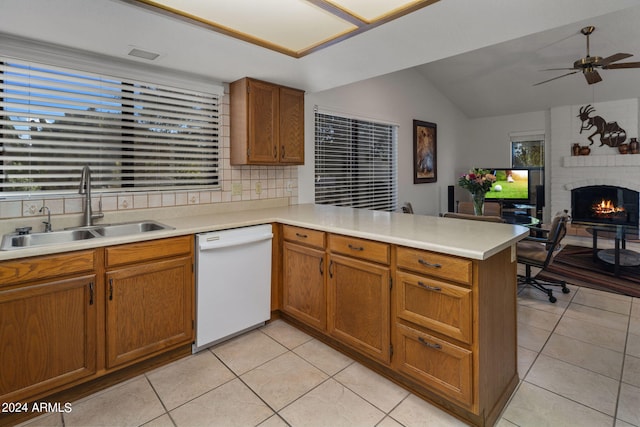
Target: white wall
{"points": [[488, 141], [398, 98]]}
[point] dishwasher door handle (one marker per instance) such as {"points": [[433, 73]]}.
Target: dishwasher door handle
{"points": [[214, 242]]}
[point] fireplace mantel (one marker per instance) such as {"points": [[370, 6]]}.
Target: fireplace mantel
{"points": [[601, 160]]}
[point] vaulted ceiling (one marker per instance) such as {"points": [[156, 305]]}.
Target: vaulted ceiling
{"points": [[484, 55]]}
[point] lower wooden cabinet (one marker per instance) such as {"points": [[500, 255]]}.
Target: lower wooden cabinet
{"points": [[149, 309], [48, 336], [72, 317], [359, 305], [303, 289], [446, 326]]}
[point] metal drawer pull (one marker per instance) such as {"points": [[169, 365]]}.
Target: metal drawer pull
{"points": [[302, 236], [428, 264], [356, 248], [110, 289], [428, 344], [322, 266], [431, 288]]}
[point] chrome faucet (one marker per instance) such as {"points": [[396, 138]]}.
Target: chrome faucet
{"points": [[85, 188], [47, 223]]}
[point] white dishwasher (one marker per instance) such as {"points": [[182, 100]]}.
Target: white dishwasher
{"points": [[233, 283]]}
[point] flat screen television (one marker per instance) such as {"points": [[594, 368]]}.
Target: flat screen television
{"points": [[512, 185]]}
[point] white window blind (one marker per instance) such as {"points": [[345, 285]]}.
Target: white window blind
{"points": [[135, 136], [355, 162]]}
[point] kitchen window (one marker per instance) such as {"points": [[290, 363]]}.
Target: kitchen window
{"points": [[135, 135], [355, 162]]}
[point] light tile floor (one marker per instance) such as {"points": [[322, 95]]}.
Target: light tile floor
{"points": [[579, 364]]}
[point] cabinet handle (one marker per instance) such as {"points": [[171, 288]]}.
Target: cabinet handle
{"points": [[90, 293], [431, 288], [356, 248], [331, 269], [275, 151], [428, 264], [322, 266], [302, 236], [282, 152], [428, 344], [110, 289]]}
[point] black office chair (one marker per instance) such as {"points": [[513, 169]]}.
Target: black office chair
{"points": [[534, 251], [407, 208]]}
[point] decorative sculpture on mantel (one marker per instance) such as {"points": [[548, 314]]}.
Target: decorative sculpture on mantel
{"points": [[610, 133]]}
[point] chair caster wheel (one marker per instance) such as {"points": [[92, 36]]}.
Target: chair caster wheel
{"points": [[566, 290], [552, 299]]}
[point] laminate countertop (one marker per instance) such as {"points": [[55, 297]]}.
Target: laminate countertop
{"points": [[465, 238]]}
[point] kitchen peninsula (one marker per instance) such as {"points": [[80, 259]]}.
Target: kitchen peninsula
{"points": [[429, 302]]}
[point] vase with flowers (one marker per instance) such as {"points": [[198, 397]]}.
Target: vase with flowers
{"points": [[478, 182]]}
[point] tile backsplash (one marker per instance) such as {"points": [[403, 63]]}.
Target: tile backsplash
{"points": [[237, 184]]}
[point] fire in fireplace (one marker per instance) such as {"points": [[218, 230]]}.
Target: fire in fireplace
{"points": [[605, 204]]}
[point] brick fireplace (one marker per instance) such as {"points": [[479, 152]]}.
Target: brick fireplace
{"points": [[604, 166]]}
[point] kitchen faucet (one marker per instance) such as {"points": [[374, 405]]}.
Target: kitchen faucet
{"points": [[47, 223], [85, 188]]}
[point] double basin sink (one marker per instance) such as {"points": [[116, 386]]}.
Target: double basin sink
{"points": [[23, 241]]}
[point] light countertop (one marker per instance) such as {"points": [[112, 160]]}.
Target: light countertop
{"points": [[469, 239]]}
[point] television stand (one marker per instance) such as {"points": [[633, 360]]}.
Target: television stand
{"points": [[519, 209]]}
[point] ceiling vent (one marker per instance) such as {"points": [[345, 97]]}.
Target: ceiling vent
{"points": [[144, 54]]}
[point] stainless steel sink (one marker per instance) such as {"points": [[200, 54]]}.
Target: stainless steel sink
{"points": [[129, 228], [13, 241], [23, 241]]}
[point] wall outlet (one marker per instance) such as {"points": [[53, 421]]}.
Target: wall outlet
{"points": [[289, 187], [236, 189], [258, 187]]}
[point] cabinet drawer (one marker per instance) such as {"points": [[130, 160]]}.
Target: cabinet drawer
{"points": [[437, 364], [145, 251], [433, 264], [46, 267], [434, 304], [305, 236], [360, 248]]}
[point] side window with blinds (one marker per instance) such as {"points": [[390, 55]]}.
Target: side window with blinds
{"points": [[134, 135], [355, 162]]}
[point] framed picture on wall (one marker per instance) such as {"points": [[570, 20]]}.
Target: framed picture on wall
{"points": [[425, 142]]}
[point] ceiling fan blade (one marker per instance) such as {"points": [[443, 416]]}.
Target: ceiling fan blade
{"points": [[558, 69], [613, 58], [623, 65], [555, 78], [592, 76]]}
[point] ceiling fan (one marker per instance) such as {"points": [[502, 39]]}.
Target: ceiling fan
{"points": [[589, 64]]}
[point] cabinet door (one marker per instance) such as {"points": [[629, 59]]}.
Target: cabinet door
{"points": [[48, 336], [149, 309], [303, 290], [291, 126], [263, 122], [358, 305]]}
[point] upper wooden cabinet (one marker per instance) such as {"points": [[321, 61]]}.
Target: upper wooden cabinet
{"points": [[267, 124]]}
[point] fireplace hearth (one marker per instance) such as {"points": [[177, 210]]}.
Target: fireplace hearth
{"points": [[605, 204]]}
